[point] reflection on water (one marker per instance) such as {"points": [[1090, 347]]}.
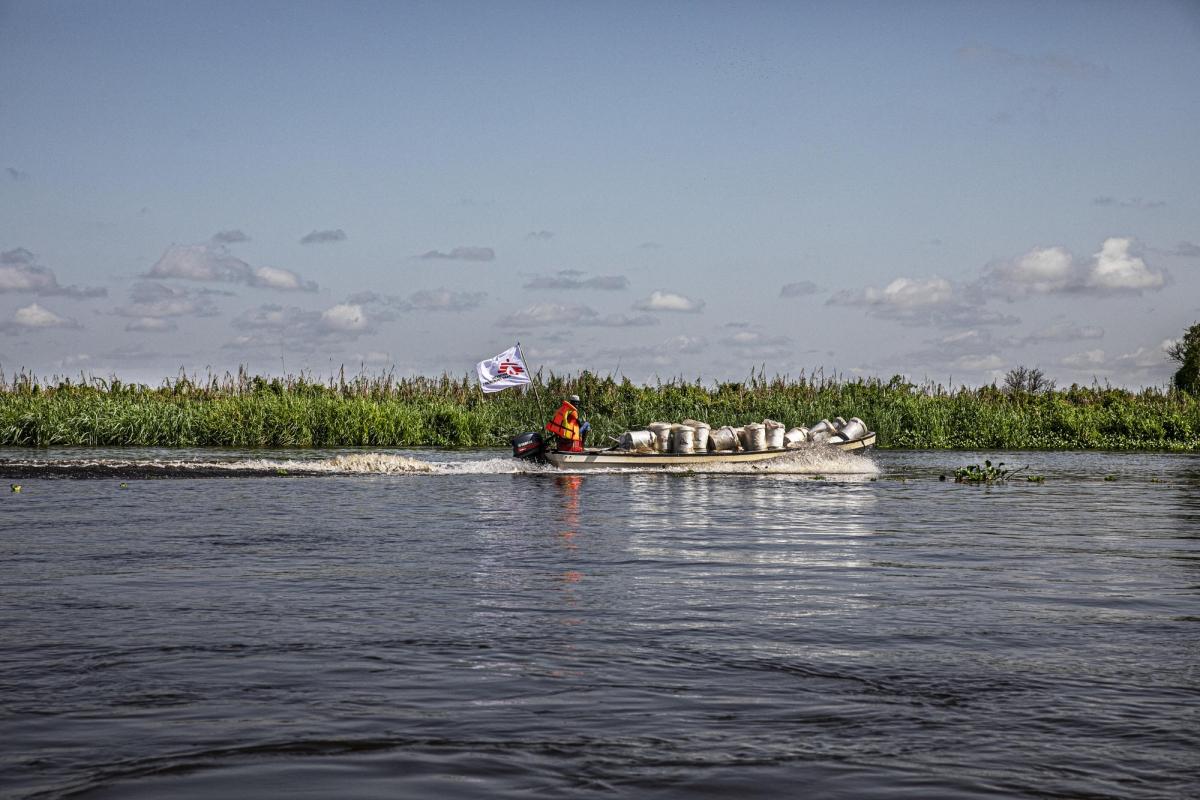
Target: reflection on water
{"points": [[473, 631]]}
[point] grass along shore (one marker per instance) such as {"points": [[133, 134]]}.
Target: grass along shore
{"points": [[382, 411]]}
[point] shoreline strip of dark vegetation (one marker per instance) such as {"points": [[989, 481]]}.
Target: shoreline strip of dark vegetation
{"points": [[245, 411]]}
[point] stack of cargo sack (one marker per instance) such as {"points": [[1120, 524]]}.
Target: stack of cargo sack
{"points": [[693, 436]]}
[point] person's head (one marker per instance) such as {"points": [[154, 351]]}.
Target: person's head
{"points": [[574, 400]]}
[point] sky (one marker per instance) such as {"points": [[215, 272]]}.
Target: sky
{"points": [[940, 190]]}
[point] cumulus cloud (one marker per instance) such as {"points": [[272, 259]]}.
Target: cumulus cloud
{"points": [[214, 262], [344, 321], [35, 317], [1051, 270], [282, 279], [235, 236], [1187, 249], [439, 299], [542, 236], [1088, 358], [20, 272], [344, 318], [929, 301], [566, 280], [462, 254], [1064, 331], [444, 300], [978, 363], [323, 237], [150, 325], [153, 300], [541, 314], [749, 345], [1040, 271], [902, 294], [659, 354], [544, 314], [670, 301], [1115, 269], [748, 338], [799, 289]]}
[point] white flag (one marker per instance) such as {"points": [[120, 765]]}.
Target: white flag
{"points": [[502, 371]]}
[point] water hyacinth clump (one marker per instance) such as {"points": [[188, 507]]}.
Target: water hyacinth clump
{"points": [[242, 410]]}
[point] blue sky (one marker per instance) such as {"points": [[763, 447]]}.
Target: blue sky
{"points": [[941, 190]]}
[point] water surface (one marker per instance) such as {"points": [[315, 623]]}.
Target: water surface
{"points": [[458, 627]]}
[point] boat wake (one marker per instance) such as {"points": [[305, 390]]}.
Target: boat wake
{"points": [[815, 460]]}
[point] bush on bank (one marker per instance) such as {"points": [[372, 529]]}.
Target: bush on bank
{"points": [[383, 411]]}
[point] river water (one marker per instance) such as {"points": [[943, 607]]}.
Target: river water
{"points": [[420, 624]]}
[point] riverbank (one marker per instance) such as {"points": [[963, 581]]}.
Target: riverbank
{"points": [[383, 411]]}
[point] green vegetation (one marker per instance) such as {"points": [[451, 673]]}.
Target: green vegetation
{"points": [[1186, 352], [383, 411], [985, 473]]}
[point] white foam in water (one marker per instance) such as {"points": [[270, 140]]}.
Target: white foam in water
{"points": [[812, 460]]}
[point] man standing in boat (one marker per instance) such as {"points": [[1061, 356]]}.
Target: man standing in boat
{"points": [[568, 427]]}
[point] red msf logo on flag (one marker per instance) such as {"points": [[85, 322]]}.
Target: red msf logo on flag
{"points": [[505, 370]]}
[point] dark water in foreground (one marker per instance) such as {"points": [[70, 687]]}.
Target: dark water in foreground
{"points": [[471, 632]]}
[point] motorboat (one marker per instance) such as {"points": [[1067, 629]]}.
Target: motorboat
{"points": [[534, 447]]}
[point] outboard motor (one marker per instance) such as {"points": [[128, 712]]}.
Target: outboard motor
{"points": [[529, 445]]}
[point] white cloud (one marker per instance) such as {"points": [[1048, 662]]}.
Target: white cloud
{"points": [[1040, 271], [214, 262], [462, 254], [979, 363], [1115, 269], [19, 272], [621, 321], [1064, 332], [151, 324], [902, 294], [278, 278], [1088, 358], [35, 317], [571, 279], [444, 300], [1051, 270], [543, 314], [153, 299], [661, 354], [344, 318], [344, 321], [912, 301], [540, 314], [670, 301]]}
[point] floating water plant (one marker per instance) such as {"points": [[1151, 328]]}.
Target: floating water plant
{"points": [[15, 487], [985, 473]]}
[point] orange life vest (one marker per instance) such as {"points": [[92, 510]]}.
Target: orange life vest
{"points": [[565, 424]]}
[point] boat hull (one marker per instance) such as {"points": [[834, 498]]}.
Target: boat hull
{"points": [[609, 459]]}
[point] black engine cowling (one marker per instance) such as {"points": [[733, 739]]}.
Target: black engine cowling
{"points": [[529, 445]]}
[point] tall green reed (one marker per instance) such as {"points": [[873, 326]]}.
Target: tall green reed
{"points": [[242, 410]]}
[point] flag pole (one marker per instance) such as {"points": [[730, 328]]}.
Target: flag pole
{"points": [[532, 382]]}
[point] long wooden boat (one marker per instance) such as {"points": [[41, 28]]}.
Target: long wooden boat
{"points": [[613, 458]]}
